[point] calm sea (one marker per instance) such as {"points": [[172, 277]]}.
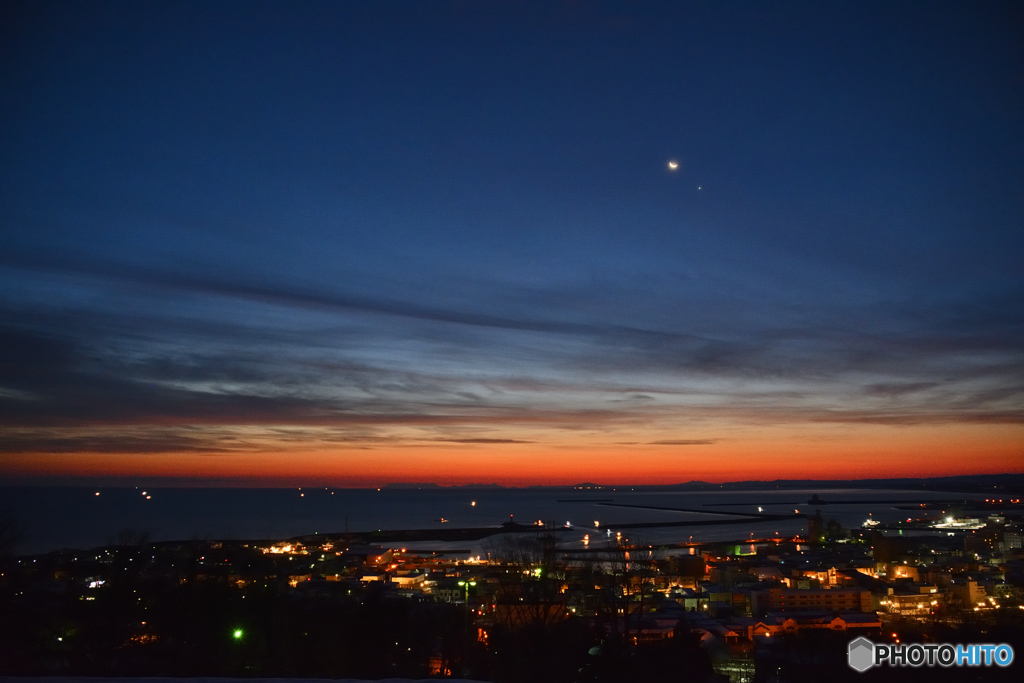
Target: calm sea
{"points": [[54, 518]]}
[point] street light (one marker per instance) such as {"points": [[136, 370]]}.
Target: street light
{"points": [[467, 584]]}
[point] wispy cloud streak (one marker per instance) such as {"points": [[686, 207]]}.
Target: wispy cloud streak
{"points": [[365, 372]]}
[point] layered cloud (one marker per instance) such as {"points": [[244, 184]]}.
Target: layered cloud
{"points": [[431, 241], [117, 361]]}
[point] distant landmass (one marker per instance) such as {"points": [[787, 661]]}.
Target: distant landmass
{"points": [[976, 483], [431, 485], [968, 483], [403, 486]]}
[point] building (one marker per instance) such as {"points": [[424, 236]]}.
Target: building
{"points": [[812, 600]]}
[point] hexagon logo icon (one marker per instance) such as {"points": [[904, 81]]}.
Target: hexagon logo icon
{"points": [[861, 654]]}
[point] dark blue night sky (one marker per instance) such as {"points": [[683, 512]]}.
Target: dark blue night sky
{"points": [[306, 237]]}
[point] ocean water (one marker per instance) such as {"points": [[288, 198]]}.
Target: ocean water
{"points": [[54, 518]]}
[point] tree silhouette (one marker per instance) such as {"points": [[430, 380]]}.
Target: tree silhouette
{"points": [[11, 534]]}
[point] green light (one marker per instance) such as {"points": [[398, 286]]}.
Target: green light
{"points": [[237, 634]]}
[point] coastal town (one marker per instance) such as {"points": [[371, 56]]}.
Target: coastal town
{"points": [[733, 611], [511, 341]]}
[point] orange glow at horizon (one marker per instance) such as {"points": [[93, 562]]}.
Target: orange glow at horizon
{"points": [[817, 452]]}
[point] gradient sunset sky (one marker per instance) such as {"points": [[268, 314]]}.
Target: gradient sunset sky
{"points": [[287, 243]]}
